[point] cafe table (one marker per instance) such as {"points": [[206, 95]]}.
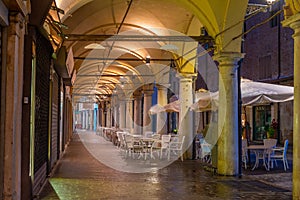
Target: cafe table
{"points": [[261, 152]]}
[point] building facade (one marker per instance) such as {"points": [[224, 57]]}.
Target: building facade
{"points": [[269, 49]]}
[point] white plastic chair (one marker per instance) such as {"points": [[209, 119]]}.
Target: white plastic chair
{"points": [[128, 139], [165, 141], [270, 144], [121, 143], [280, 154], [176, 147]]}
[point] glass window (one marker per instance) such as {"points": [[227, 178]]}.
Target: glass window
{"points": [[262, 119]]}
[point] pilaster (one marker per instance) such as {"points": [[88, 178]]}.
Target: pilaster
{"points": [[13, 105]]}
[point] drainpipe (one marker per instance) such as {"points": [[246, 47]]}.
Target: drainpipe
{"points": [[239, 119], [279, 68]]}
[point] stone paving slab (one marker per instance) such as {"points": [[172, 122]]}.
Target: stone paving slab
{"points": [[80, 175]]}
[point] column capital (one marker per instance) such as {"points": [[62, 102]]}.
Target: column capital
{"points": [[291, 8], [163, 87], [128, 99], [19, 22], [186, 76], [228, 58], [293, 22], [148, 90], [137, 94]]}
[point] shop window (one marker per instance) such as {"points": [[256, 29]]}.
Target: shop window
{"points": [[262, 120]]}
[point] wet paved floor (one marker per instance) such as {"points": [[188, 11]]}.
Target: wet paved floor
{"points": [[80, 175]]}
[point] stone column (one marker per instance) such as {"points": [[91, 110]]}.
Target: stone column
{"points": [[185, 115], [122, 110], [228, 150], [137, 129], [86, 115], [83, 119], [12, 104], [129, 114], [112, 116], [103, 114], [91, 119], [147, 125], [116, 115], [162, 99], [108, 114], [100, 116], [294, 23]]}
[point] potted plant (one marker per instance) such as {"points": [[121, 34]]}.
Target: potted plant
{"points": [[273, 128], [270, 132]]}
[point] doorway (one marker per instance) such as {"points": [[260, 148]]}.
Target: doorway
{"points": [[262, 120]]}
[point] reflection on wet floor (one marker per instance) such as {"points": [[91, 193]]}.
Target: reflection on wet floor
{"points": [[79, 175]]}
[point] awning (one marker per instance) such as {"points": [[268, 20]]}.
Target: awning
{"points": [[253, 93], [264, 93], [205, 101], [170, 107], [156, 109]]}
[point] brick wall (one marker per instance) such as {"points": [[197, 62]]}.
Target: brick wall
{"points": [[268, 40]]}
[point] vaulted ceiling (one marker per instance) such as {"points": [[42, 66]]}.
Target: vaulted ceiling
{"points": [[111, 39]]}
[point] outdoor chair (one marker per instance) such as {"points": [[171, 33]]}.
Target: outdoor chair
{"points": [[156, 136], [280, 154], [198, 137], [155, 147], [138, 147], [270, 143], [157, 144], [205, 152], [176, 148], [165, 141], [148, 134], [120, 143], [128, 144], [244, 152]]}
